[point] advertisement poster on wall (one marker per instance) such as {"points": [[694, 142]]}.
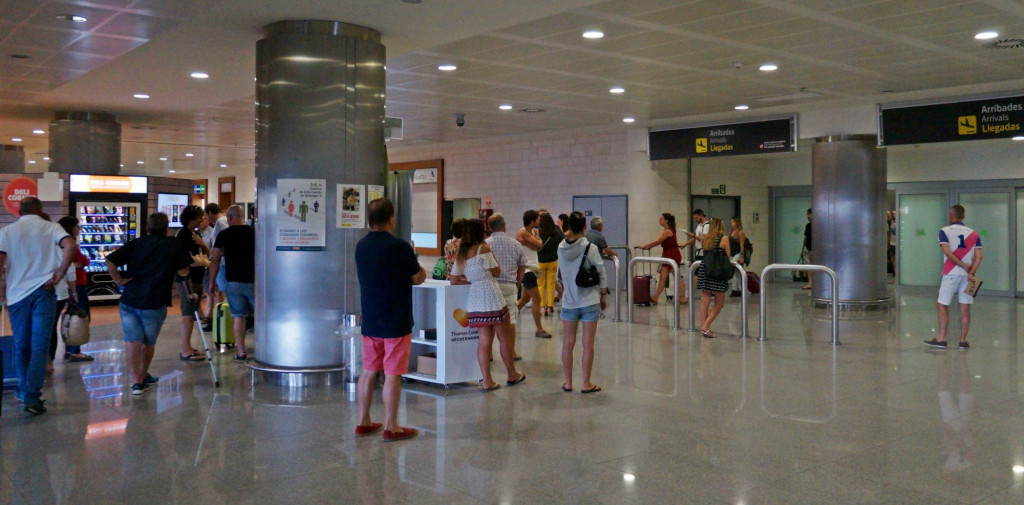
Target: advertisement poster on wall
{"points": [[374, 192], [351, 206], [300, 224]]}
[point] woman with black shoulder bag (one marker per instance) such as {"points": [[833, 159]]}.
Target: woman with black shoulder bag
{"points": [[586, 289], [714, 271]]}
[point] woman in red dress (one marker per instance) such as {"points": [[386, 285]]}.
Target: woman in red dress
{"points": [[670, 250]]}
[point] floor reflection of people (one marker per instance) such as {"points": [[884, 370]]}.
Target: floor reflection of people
{"points": [[954, 376]]}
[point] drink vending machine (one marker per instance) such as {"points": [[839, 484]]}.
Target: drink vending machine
{"points": [[111, 211]]}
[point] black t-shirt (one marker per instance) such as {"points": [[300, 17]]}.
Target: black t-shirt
{"points": [[152, 262], [237, 246], [548, 251], [385, 266], [807, 237], [184, 237]]}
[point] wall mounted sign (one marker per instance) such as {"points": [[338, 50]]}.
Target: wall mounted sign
{"points": [[351, 206], [993, 118], [754, 137], [424, 176], [108, 184], [301, 219], [16, 191]]}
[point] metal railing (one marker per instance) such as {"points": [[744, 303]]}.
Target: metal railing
{"points": [[675, 274], [743, 299], [615, 268], [806, 268]]}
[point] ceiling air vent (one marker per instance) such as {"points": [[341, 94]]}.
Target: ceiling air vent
{"points": [[531, 110], [1007, 44]]}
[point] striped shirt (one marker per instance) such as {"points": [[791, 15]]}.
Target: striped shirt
{"points": [[962, 242]]}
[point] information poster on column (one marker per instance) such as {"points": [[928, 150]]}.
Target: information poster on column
{"points": [[351, 206], [374, 192], [300, 224]]}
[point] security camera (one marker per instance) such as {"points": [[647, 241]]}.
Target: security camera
{"points": [[460, 120]]}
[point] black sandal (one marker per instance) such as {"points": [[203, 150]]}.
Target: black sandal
{"points": [[196, 356]]}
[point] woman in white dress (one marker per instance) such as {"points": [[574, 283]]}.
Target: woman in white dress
{"points": [[475, 265]]}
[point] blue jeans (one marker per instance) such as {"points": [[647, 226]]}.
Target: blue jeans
{"points": [[32, 320]]}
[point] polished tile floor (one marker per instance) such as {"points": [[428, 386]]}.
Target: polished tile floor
{"points": [[880, 419]]}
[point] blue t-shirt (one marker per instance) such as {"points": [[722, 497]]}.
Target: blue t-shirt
{"points": [[385, 266]]}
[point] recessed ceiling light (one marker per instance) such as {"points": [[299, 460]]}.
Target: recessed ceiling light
{"points": [[170, 171], [140, 162], [1018, 138], [742, 107], [122, 165], [986, 35], [617, 90], [38, 132], [72, 17], [46, 158], [16, 139], [189, 155], [628, 120], [223, 165], [768, 67], [447, 67], [163, 158], [593, 34], [31, 162], [141, 96], [200, 75], [505, 106]]}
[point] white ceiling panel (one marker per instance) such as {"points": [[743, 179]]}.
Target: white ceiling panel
{"points": [[676, 58]]}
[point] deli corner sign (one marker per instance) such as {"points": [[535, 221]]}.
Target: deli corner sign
{"points": [[989, 118], [16, 191], [752, 137]]}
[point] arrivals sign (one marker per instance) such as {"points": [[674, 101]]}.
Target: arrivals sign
{"points": [[755, 137], [994, 118]]}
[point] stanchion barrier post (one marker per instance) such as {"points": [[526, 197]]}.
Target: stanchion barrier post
{"points": [[806, 268], [689, 293], [615, 267], [675, 273]]}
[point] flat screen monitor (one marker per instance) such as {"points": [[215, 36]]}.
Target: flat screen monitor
{"points": [[171, 204]]}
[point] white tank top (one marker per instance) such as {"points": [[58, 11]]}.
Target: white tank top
{"points": [[532, 262]]}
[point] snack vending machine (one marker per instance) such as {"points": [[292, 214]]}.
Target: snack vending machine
{"points": [[111, 211], [106, 226]]}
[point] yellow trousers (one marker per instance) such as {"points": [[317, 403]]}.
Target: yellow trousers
{"points": [[546, 283]]}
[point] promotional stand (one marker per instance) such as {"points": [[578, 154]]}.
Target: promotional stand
{"points": [[440, 327]]}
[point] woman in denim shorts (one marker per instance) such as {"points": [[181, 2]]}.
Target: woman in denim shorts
{"points": [[580, 304]]}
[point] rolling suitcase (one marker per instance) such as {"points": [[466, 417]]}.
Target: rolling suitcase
{"points": [[642, 285], [753, 283], [223, 326]]}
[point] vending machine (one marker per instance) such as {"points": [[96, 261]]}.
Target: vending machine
{"points": [[111, 211]]}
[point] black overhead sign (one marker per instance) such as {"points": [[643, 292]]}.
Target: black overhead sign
{"points": [[994, 118], [757, 137]]}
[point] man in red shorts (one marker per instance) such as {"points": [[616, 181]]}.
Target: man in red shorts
{"points": [[387, 270]]}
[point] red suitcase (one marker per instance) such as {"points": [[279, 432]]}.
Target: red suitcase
{"points": [[753, 283], [642, 286]]}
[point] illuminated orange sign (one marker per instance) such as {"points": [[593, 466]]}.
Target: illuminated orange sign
{"points": [[108, 184]]}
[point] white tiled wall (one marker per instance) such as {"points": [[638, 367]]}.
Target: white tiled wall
{"points": [[548, 170]]}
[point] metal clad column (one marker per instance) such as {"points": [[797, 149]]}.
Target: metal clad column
{"points": [[85, 143], [320, 113], [849, 230], [12, 159]]}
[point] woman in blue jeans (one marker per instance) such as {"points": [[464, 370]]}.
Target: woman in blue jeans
{"points": [[580, 304]]}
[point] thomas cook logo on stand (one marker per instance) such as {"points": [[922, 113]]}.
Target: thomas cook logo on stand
{"points": [[702, 145], [967, 125]]}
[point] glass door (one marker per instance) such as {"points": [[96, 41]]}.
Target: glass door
{"points": [[790, 220], [1020, 242], [989, 212], [918, 220]]}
